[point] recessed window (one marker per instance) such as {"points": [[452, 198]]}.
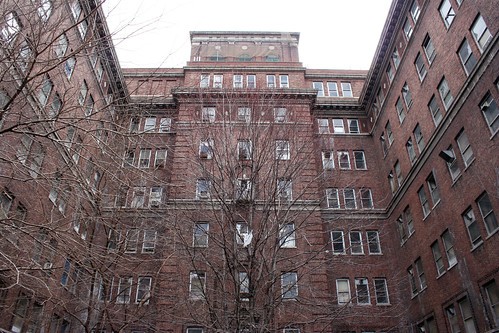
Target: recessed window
{"points": [[425, 205], [243, 191], [489, 218], [124, 290], [338, 126], [284, 189], [327, 160], [343, 159], [465, 148], [420, 67], [144, 158], [203, 188], [218, 81], [360, 160], [237, 81], [204, 81], [289, 285], [143, 290], [418, 135], [332, 197], [381, 290], [490, 112], [343, 291], [373, 242], [362, 291], [282, 150], [197, 283], [429, 49], [472, 227], [244, 114], [353, 126], [283, 81], [338, 242], [323, 126], [346, 88], [400, 110], [407, 29], [445, 94], [200, 234], [481, 33], [435, 110], [319, 86], [447, 12], [206, 149], [415, 11], [356, 246], [406, 94], [208, 114], [287, 235], [332, 87], [396, 58], [466, 56], [244, 149], [280, 115], [271, 81], [349, 197]]}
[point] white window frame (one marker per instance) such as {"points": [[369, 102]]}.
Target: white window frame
{"points": [[204, 81], [280, 115], [373, 242], [465, 149], [346, 89], [429, 49], [366, 198], [206, 149], [319, 86], [165, 125], [337, 241], [490, 112], [285, 189], [481, 33], [155, 196], [271, 82], [284, 81], [124, 290], [332, 196], [143, 290], [489, 218], [360, 160], [468, 59], [420, 67], [349, 198], [332, 88], [150, 124], [353, 126], [323, 126], [338, 125], [343, 159], [328, 160], [208, 114], [200, 234], [343, 292], [145, 158], [472, 227], [356, 245], [197, 285], [251, 81], [244, 149], [287, 236], [203, 188], [282, 150], [160, 158], [289, 285], [244, 114], [380, 293], [218, 80], [363, 297], [445, 93], [447, 13], [434, 108], [237, 81], [149, 241]]}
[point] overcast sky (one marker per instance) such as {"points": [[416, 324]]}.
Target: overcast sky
{"points": [[334, 34]]}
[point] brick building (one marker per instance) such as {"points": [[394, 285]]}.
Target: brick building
{"points": [[244, 192]]}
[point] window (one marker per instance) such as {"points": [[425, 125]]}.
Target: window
{"points": [[492, 300], [218, 80], [346, 88], [445, 94], [429, 49], [381, 291], [280, 115], [396, 58], [204, 82], [282, 150], [83, 28], [433, 188], [160, 158], [447, 12], [425, 205], [200, 235], [134, 125], [244, 114], [418, 135], [373, 242], [83, 93], [338, 126], [144, 158], [69, 66], [197, 282], [406, 94], [360, 160], [467, 315], [165, 125], [45, 90], [243, 190], [143, 290], [271, 81], [343, 159], [244, 149], [349, 197], [391, 179], [194, 330], [390, 72], [465, 148], [490, 112], [420, 67], [437, 256], [289, 285], [75, 8], [451, 161], [333, 200], [410, 150], [487, 213], [398, 173], [472, 227], [124, 290], [131, 240], [400, 110], [20, 312], [323, 126], [155, 196], [242, 232], [362, 291], [138, 197], [89, 106], [327, 160], [435, 110], [415, 11], [237, 81], [244, 283], [206, 149], [366, 198], [343, 291], [251, 81], [56, 106], [449, 248], [353, 126], [208, 114], [319, 86], [287, 236], [11, 26], [481, 33], [284, 189], [421, 276], [356, 246], [338, 243], [389, 133], [150, 124], [468, 60], [149, 241], [407, 29], [283, 81], [332, 87], [203, 188]]}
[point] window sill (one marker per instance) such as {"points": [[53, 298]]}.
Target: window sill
{"points": [[452, 266], [376, 254], [435, 204], [477, 246], [455, 180], [441, 274]]}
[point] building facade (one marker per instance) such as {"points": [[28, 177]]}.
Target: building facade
{"points": [[245, 192]]}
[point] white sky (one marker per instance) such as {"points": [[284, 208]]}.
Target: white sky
{"points": [[334, 34]]}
